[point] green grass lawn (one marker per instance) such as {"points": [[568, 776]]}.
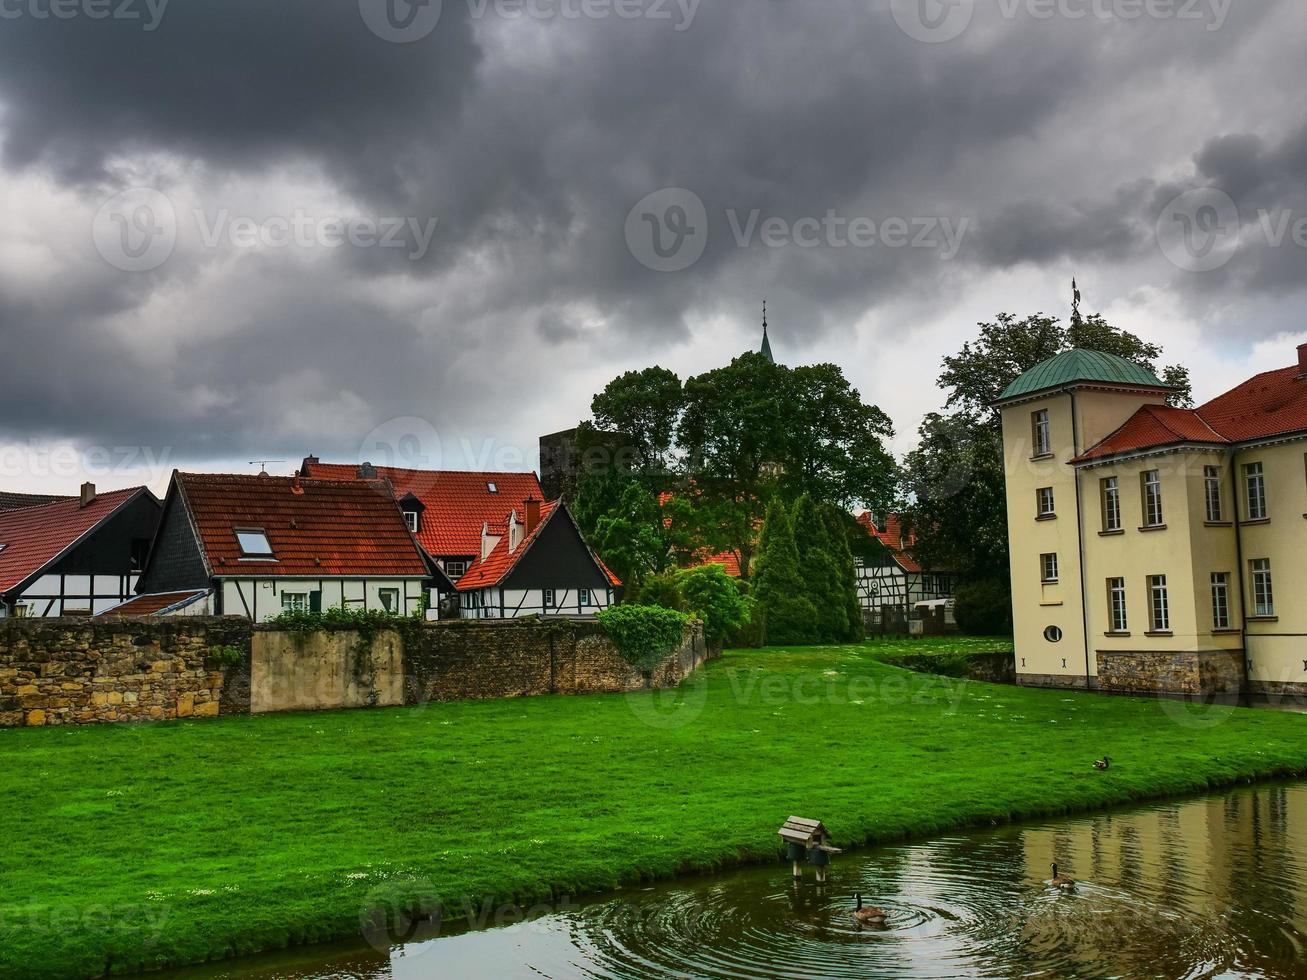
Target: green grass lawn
{"points": [[130, 847]]}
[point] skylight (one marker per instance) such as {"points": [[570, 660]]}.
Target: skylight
{"points": [[492, 487], [254, 543]]}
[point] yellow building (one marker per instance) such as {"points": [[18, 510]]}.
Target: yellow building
{"points": [[1156, 548]]}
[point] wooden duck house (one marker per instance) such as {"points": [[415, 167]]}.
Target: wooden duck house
{"points": [[810, 839]]}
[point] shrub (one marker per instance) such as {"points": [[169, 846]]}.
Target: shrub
{"points": [[228, 657], [984, 608], [643, 635], [661, 590], [711, 595]]}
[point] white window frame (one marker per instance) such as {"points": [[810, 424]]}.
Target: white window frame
{"points": [[1046, 502], [399, 599], [257, 533], [455, 570], [294, 602], [1154, 514], [1263, 588], [550, 600], [1112, 504], [1212, 494], [1041, 433], [583, 598], [1220, 600], [1254, 481], [1048, 568], [1159, 604], [1118, 612], [411, 519]]}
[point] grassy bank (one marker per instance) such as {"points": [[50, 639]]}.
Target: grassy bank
{"points": [[132, 847]]}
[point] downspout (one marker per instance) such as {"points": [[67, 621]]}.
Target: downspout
{"points": [[1238, 558], [1080, 537]]}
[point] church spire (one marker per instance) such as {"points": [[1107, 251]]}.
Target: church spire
{"points": [[766, 344]]}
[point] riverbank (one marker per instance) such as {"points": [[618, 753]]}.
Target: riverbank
{"points": [[130, 848]]}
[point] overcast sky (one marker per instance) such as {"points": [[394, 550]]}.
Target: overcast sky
{"points": [[254, 229]]}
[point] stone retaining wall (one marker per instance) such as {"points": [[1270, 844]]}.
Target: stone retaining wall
{"points": [[89, 671], [1210, 672]]}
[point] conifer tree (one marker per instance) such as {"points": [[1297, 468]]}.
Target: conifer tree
{"points": [[819, 571], [787, 615], [838, 523]]}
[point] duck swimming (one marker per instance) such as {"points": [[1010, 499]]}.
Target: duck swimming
{"points": [[869, 916]]}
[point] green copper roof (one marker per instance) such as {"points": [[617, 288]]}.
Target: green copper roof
{"points": [[1081, 365]]}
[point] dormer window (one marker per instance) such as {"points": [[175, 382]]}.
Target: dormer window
{"points": [[411, 519], [254, 543], [492, 487]]}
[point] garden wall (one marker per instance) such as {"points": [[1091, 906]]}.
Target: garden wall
{"points": [[88, 671]]}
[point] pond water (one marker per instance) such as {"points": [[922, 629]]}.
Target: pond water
{"points": [[1208, 887]]}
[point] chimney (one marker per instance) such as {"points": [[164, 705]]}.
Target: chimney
{"points": [[308, 462], [88, 494], [532, 514], [1302, 360], [367, 472]]}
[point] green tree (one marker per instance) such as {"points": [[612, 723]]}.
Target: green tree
{"points": [[819, 571], [788, 616], [637, 535], [643, 407], [839, 525], [713, 596]]}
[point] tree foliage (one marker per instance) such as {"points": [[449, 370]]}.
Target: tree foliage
{"points": [[821, 576], [709, 594], [787, 613]]}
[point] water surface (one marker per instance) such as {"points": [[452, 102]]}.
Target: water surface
{"points": [[1209, 887]]}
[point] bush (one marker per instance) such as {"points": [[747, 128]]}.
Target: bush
{"points": [[644, 635], [711, 595], [984, 608], [661, 590]]}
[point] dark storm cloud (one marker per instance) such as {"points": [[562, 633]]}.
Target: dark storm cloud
{"points": [[530, 141]]}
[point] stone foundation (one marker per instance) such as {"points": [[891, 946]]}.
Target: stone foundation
{"points": [[1061, 682], [1195, 673]]}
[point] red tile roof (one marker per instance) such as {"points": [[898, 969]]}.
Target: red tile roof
{"points": [[458, 504], [729, 561], [1155, 425], [893, 538], [315, 527], [150, 605], [1268, 405], [492, 569], [33, 537]]}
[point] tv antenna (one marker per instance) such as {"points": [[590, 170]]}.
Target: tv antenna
{"points": [[262, 464]]}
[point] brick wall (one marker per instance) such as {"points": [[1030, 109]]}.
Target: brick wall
{"points": [[1214, 672], [85, 671], [88, 671]]}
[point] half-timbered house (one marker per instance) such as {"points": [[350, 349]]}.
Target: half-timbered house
{"points": [[75, 556], [535, 562], [891, 582], [258, 546]]}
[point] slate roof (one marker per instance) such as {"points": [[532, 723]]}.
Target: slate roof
{"points": [[1082, 365], [497, 565], [18, 501], [1263, 407], [328, 528], [34, 537], [458, 504], [153, 604]]}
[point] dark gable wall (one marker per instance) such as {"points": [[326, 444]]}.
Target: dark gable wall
{"points": [[558, 559], [176, 563], [108, 550]]}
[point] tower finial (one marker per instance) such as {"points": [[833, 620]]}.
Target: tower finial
{"points": [[766, 343]]}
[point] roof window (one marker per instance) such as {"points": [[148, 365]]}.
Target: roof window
{"points": [[254, 543]]}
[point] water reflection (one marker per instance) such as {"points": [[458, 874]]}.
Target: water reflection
{"points": [[1214, 887]]}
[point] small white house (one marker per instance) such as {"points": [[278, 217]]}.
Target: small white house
{"points": [[536, 564]]}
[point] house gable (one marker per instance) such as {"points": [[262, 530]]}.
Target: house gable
{"points": [[557, 557], [176, 562]]}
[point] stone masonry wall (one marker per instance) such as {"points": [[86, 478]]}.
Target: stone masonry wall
{"points": [[89, 671], [86, 671], [464, 660], [1214, 672]]}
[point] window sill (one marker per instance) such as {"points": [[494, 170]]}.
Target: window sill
{"points": [[1160, 633], [1049, 581], [1046, 517], [1119, 532], [1257, 523], [1050, 605], [1117, 636], [1153, 527], [1231, 631], [1041, 457], [1218, 523], [1262, 619]]}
